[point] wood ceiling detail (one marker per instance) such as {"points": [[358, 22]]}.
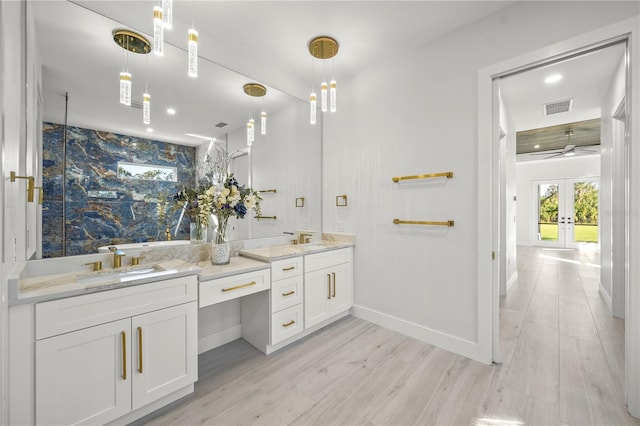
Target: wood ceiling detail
{"points": [[550, 138]]}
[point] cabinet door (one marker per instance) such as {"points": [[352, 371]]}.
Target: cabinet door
{"points": [[165, 356], [317, 296], [341, 288], [84, 377]]}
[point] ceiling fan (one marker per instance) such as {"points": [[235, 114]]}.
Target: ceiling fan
{"points": [[567, 151]]}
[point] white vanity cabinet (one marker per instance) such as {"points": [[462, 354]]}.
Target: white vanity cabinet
{"points": [[287, 290], [103, 355], [328, 285]]}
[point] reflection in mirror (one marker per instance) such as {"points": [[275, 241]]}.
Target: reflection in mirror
{"points": [[87, 133]]}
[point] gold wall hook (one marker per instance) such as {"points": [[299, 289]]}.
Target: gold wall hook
{"points": [[30, 184]]}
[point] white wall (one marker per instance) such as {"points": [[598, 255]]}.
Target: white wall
{"points": [[508, 234], [612, 199], [422, 118]]}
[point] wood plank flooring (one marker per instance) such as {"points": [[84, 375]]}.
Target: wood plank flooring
{"points": [[563, 364]]}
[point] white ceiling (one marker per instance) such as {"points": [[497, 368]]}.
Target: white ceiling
{"points": [[585, 78], [239, 42]]}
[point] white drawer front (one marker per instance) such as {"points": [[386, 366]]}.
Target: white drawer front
{"points": [[286, 323], [286, 268], [73, 313], [313, 262], [286, 293], [223, 289]]}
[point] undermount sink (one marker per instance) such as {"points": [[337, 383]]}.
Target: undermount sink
{"points": [[116, 276]]}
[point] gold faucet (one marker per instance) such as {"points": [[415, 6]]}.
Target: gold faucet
{"points": [[117, 256], [167, 232], [305, 238]]}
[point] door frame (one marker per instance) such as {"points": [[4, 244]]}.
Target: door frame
{"points": [[488, 223]]}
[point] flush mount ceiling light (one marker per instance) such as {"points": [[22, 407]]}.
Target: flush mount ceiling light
{"points": [[554, 78], [323, 47], [255, 90]]}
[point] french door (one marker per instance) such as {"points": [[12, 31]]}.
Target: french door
{"points": [[567, 212]]}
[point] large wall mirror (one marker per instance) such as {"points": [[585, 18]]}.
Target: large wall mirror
{"points": [[86, 132]]}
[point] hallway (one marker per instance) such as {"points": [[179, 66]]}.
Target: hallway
{"points": [[563, 364], [563, 352]]}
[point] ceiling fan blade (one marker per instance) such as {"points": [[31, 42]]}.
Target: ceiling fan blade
{"points": [[554, 155], [545, 152], [569, 148]]}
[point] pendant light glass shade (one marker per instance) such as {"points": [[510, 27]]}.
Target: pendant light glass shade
{"points": [[167, 14], [263, 123], [158, 31], [193, 52], [332, 95], [146, 108], [125, 88], [323, 96], [312, 108], [250, 132]]}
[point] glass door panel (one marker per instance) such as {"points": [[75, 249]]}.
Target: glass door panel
{"points": [[548, 198], [585, 218]]}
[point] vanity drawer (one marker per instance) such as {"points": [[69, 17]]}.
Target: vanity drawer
{"points": [[227, 288], [286, 268], [286, 293], [73, 313], [325, 259], [286, 323]]}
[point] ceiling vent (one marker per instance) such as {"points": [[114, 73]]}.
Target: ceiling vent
{"points": [[558, 106], [220, 125]]}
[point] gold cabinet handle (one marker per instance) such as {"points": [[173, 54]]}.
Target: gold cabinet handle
{"points": [[288, 323], [289, 293], [334, 284], [290, 268], [328, 286], [30, 184], [140, 350], [124, 355], [240, 286]]}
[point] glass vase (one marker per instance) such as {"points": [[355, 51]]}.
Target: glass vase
{"points": [[197, 232], [220, 247]]}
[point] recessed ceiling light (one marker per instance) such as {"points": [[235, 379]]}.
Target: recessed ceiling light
{"points": [[171, 111], [554, 78], [149, 129], [536, 146]]}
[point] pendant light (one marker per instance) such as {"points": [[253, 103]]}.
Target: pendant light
{"points": [[323, 96], [167, 14], [193, 52], [312, 108], [263, 123], [158, 31], [131, 42], [146, 108], [255, 90], [323, 47]]}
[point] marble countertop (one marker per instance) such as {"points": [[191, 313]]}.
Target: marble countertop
{"points": [[56, 286], [42, 280], [285, 251]]}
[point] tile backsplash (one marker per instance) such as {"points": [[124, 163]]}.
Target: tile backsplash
{"points": [[101, 208]]}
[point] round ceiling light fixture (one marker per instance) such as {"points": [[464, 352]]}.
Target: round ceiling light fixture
{"points": [[323, 47], [255, 89], [131, 41]]}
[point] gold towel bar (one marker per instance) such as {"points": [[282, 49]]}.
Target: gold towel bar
{"points": [[268, 190], [266, 217], [421, 222], [427, 176]]}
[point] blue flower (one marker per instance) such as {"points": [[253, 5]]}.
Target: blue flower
{"points": [[240, 210]]}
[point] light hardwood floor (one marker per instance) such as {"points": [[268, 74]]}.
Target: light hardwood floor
{"points": [[563, 364]]}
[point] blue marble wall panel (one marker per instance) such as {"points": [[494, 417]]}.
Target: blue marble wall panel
{"points": [[93, 217]]}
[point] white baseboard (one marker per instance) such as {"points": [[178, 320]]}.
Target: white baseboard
{"points": [[606, 297], [512, 280], [213, 340], [442, 340]]}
